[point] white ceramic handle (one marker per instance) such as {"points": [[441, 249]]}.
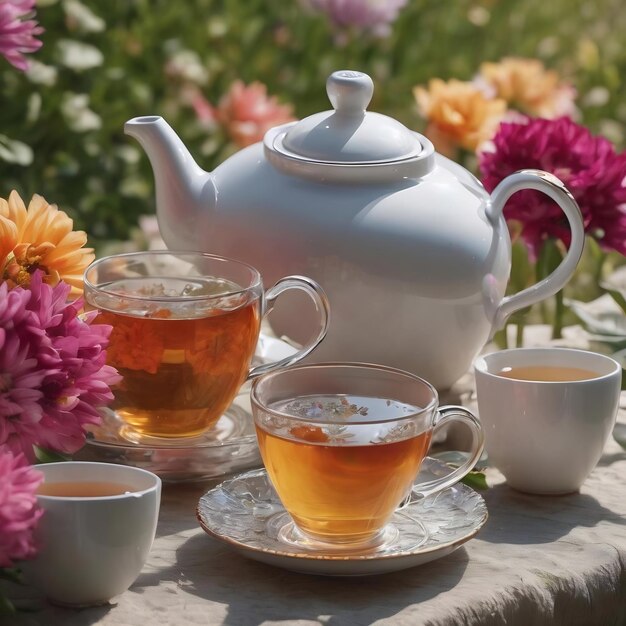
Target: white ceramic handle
{"points": [[550, 185], [317, 294], [349, 92], [445, 416]]}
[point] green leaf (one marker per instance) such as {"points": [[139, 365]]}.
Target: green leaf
{"points": [[453, 459], [550, 257], [6, 606], [618, 297], [500, 339], [49, 456], [475, 480], [12, 574], [521, 268]]}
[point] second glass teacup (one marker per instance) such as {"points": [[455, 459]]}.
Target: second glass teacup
{"points": [[185, 329], [342, 444]]}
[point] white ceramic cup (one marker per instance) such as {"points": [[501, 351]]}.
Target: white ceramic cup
{"points": [[546, 437], [93, 548]]}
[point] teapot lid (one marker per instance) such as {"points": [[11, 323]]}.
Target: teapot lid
{"points": [[348, 134]]}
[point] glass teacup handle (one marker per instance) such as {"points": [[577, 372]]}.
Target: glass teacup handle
{"points": [[550, 185], [448, 415], [317, 294]]}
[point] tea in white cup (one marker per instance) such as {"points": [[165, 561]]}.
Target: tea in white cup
{"points": [[95, 534], [546, 414]]}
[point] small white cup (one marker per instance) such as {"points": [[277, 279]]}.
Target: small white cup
{"points": [[93, 548], [546, 437]]}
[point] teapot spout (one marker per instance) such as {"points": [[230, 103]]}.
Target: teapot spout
{"points": [[184, 191]]}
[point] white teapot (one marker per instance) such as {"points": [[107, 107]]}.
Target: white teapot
{"points": [[412, 251]]}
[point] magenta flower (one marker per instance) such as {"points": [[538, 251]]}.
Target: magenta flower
{"points": [[375, 16], [18, 507], [53, 375], [588, 165], [17, 35]]}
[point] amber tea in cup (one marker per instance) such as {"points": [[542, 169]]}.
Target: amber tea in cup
{"points": [[184, 331], [86, 489], [547, 373], [179, 373], [343, 443], [354, 478], [547, 413]]}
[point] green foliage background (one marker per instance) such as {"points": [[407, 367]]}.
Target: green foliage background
{"points": [[73, 121]]}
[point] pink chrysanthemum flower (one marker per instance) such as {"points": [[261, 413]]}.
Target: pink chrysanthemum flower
{"points": [[53, 375], [18, 507], [17, 35], [247, 112], [375, 16], [588, 165]]}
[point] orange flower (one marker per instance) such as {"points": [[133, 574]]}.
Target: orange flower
{"points": [[313, 434], [458, 114], [528, 86], [248, 113], [40, 237], [8, 239]]}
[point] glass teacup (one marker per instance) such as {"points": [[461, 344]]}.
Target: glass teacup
{"points": [[342, 444], [185, 328]]}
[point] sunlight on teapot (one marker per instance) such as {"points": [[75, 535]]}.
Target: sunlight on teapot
{"points": [[412, 251]]}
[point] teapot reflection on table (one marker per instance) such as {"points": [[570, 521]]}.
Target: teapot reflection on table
{"points": [[412, 251]]}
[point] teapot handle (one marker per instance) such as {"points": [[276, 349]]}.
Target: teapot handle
{"points": [[550, 185]]}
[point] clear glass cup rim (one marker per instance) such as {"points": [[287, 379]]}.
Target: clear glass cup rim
{"points": [[255, 282], [413, 378]]}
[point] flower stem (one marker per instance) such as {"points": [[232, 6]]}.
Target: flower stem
{"points": [[500, 338], [599, 270], [557, 322], [549, 259]]}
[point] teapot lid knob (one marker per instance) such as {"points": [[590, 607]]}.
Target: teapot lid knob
{"points": [[348, 134], [349, 92]]}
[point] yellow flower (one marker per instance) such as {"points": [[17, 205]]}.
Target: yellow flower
{"points": [[458, 114], [528, 86], [40, 237]]}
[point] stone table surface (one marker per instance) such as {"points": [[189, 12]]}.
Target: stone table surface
{"points": [[538, 560]]}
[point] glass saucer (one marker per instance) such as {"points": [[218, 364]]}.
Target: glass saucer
{"points": [[245, 513], [229, 447], [281, 527]]}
